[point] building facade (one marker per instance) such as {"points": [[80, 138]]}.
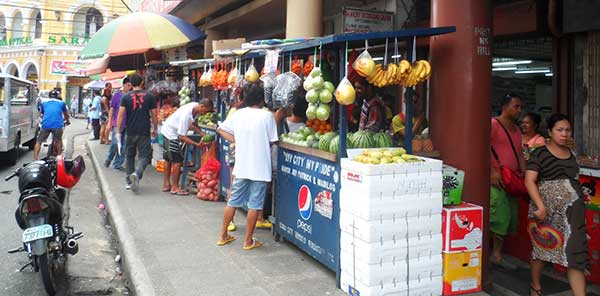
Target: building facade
{"points": [[41, 40]]}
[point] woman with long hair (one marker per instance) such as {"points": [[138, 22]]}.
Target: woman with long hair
{"points": [[106, 96]]}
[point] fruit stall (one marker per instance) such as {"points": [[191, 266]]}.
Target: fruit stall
{"points": [[310, 162]]}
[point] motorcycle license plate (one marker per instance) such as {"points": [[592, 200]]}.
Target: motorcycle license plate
{"points": [[37, 232]]}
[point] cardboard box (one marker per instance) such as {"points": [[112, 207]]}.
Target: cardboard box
{"points": [[224, 44], [591, 189], [462, 272], [462, 227], [452, 185]]}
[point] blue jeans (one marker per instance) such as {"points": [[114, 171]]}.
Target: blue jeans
{"points": [[112, 151]]}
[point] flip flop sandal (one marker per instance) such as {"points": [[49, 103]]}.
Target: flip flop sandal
{"points": [[226, 241], [537, 292], [166, 189], [255, 244], [180, 193]]}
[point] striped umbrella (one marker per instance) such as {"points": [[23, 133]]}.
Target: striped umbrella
{"points": [[139, 32]]}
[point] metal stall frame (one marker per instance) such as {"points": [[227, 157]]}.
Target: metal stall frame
{"points": [[297, 233]]}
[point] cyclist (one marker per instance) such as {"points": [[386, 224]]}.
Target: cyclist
{"points": [[54, 114]]}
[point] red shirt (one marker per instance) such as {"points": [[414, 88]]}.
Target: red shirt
{"points": [[501, 145]]}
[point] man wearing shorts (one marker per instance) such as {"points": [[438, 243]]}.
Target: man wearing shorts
{"points": [[253, 130], [174, 132], [504, 209], [54, 114]]}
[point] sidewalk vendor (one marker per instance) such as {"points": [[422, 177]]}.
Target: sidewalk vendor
{"points": [[531, 135], [253, 130], [174, 131], [419, 120], [372, 112]]}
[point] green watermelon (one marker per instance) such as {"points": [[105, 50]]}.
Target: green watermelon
{"points": [[383, 140], [324, 141], [362, 139], [349, 143], [334, 145], [208, 138]]}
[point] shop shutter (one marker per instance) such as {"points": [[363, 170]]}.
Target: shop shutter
{"points": [[591, 106]]}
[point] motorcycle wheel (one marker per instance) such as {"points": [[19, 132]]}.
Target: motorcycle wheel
{"points": [[46, 264]]}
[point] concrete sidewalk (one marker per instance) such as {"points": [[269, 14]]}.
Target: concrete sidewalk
{"points": [[169, 245]]}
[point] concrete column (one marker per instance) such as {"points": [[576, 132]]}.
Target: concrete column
{"points": [[304, 18], [460, 96], [210, 36]]}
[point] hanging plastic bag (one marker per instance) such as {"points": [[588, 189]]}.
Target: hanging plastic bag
{"points": [[297, 66], [283, 94], [208, 180], [233, 77], [251, 74], [344, 93], [269, 83], [364, 64], [308, 66]]}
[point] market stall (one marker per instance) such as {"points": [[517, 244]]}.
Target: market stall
{"points": [[309, 172]]}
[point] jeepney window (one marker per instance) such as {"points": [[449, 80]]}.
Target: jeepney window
{"points": [[19, 94]]}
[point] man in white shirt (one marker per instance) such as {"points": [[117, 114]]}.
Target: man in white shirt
{"points": [[174, 132], [253, 130]]}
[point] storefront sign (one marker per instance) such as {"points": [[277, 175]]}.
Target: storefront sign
{"points": [[16, 41], [358, 20], [69, 68], [78, 81], [67, 40]]}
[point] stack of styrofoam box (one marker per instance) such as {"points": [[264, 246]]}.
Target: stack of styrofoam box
{"points": [[390, 220]]}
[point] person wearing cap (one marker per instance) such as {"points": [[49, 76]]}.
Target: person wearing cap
{"points": [[54, 115], [113, 151]]}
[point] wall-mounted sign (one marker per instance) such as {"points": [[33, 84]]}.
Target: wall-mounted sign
{"points": [[68, 68], [67, 40], [78, 81], [359, 20], [16, 41]]}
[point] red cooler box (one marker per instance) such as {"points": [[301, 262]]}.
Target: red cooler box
{"points": [[462, 227]]}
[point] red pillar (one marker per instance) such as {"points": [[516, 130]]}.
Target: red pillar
{"points": [[460, 96]]}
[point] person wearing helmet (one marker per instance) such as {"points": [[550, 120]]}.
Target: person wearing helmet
{"points": [[54, 114]]}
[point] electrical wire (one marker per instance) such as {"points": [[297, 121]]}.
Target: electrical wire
{"points": [[64, 5], [62, 9]]}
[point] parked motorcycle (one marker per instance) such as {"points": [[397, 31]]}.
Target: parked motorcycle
{"points": [[46, 238]]}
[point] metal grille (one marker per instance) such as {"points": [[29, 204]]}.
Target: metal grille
{"points": [[591, 104]]}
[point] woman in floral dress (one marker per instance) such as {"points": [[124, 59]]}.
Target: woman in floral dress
{"points": [[556, 213]]}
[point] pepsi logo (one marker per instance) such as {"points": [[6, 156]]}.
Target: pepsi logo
{"points": [[305, 205]]}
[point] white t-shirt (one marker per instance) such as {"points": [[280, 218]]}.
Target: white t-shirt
{"points": [[179, 122], [254, 131]]}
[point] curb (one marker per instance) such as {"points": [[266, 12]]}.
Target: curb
{"points": [[137, 273]]}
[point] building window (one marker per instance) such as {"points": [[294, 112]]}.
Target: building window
{"points": [[38, 26], [17, 25], [87, 22]]}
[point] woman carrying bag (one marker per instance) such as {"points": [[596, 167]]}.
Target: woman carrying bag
{"points": [[557, 212]]}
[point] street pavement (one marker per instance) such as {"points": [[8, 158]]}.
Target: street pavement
{"points": [[169, 245], [93, 270]]}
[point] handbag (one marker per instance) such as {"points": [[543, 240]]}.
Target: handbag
{"points": [[513, 181]]}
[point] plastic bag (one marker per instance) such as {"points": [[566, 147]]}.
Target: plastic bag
{"points": [[269, 83], [364, 64], [345, 93], [207, 178], [164, 87], [297, 66], [308, 67], [283, 94], [251, 74], [233, 77]]}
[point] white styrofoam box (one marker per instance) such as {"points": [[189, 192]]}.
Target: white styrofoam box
{"points": [[421, 204], [374, 253], [391, 185], [397, 228], [399, 270], [425, 245], [425, 287], [347, 282], [428, 164]]}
